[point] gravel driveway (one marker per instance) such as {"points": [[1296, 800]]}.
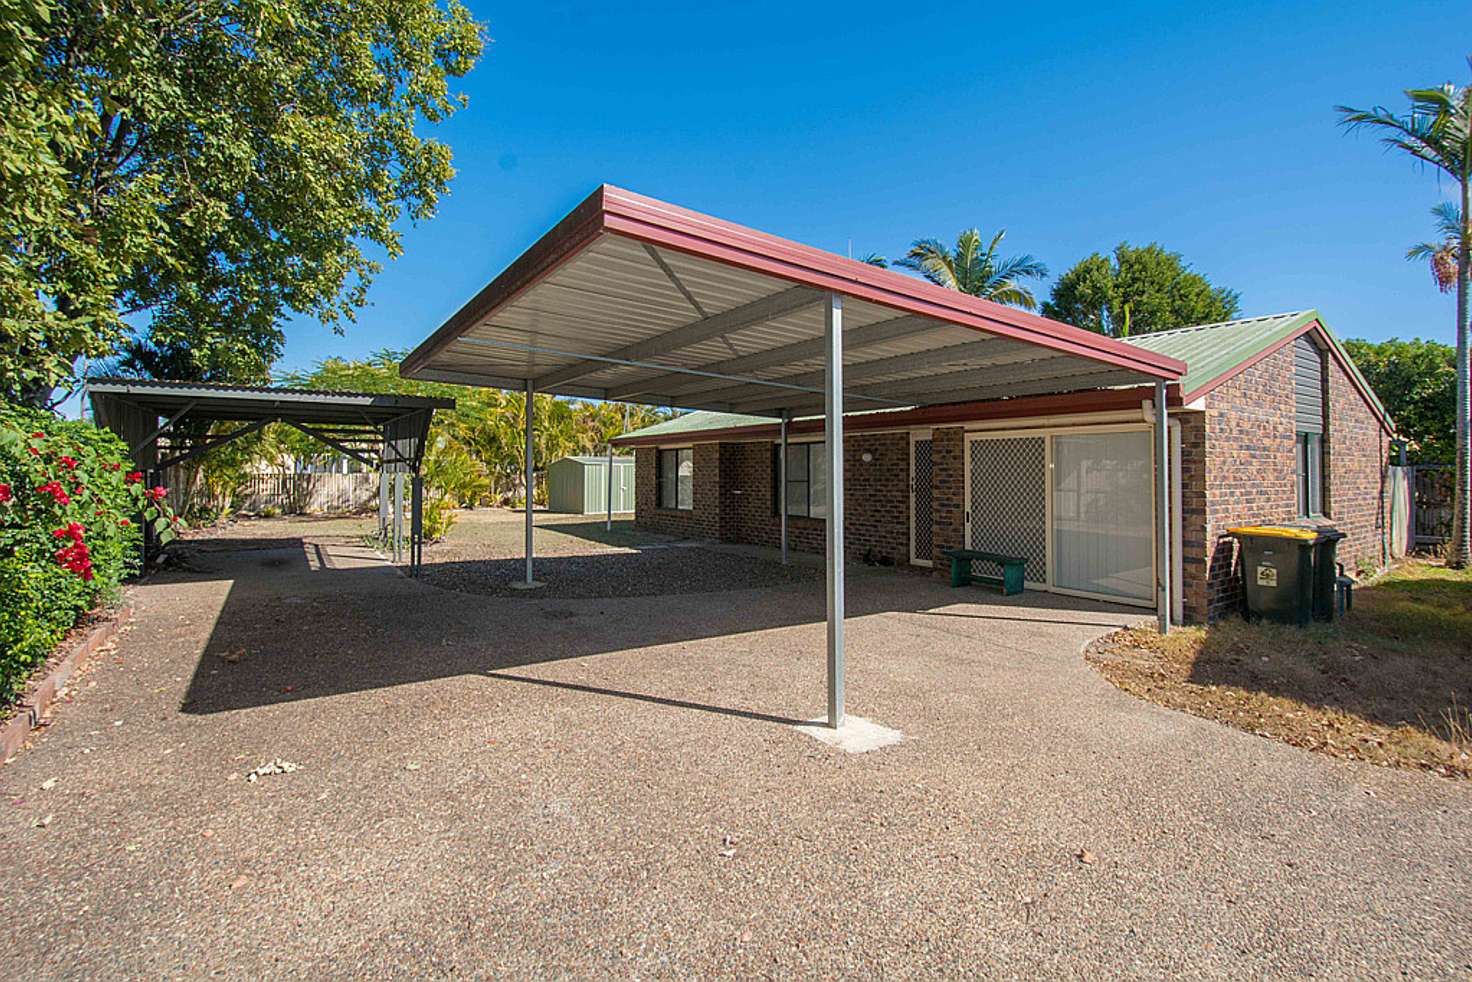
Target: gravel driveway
{"points": [[609, 787]]}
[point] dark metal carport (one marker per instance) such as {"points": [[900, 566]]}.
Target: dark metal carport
{"points": [[386, 433]]}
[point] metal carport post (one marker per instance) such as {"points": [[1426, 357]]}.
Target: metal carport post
{"points": [[833, 429], [527, 478], [607, 488]]}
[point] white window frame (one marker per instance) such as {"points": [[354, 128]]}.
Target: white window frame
{"points": [[662, 469], [1308, 473]]}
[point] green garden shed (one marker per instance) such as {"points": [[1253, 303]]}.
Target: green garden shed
{"points": [[577, 485]]}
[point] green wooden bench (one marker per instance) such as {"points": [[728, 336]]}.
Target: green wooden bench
{"points": [[1010, 581]]}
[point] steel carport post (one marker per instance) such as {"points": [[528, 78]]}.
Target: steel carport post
{"points": [[833, 401], [527, 477], [608, 482], [1162, 505], [782, 482]]}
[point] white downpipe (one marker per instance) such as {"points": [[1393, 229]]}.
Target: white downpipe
{"points": [[782, 483]]}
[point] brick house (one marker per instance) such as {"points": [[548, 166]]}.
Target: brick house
{"points": [[1272, 422]]}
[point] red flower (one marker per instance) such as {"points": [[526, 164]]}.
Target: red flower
{"points": [[70, 463], [5, 494], [33, 451], [158, 493], [56, 491], [134, 477], [76, 558], [38, 435], [124, 523]]}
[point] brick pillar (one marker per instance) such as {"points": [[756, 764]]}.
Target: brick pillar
{"points": [[707, 490], [1193, 516], [644, 487], [948, 493]]}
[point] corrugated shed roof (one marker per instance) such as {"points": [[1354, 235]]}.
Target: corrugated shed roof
{"points": [[590, 459], [699, 422], [218, 390], [1210, 351]]}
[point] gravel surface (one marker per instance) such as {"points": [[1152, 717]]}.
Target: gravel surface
{"points": [[610, 787]]}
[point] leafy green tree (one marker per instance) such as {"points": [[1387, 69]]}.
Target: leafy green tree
{"points": [[1137, 290], [1437, 132], [474, 455], [194, 171], [1417, 381], [1441, 253], [975, 269]]}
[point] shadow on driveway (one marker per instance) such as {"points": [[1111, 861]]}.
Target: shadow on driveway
{"points": [[305, 620]]}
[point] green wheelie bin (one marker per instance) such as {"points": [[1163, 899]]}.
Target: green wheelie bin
{"points": [[1288, 571]]}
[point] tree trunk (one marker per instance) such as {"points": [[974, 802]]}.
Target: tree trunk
{"points": [[1461, 545]]}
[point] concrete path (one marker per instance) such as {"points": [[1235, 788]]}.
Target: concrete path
{"points": [[612, 788]]}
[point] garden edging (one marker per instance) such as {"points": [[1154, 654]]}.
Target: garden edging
{"points": [[31, 711]]}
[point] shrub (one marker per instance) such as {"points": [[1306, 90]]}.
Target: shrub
{"points": [[70, 507], [438, 518]]}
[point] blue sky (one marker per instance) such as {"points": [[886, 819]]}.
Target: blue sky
{"points": [[1073, 126]]}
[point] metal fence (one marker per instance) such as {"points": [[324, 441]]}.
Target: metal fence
{"points": [[1431, 503]]}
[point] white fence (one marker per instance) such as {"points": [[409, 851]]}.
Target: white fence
{"points": [[308, 493]]}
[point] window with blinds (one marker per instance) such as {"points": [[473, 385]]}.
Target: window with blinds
{"points": [[1309, 413]]}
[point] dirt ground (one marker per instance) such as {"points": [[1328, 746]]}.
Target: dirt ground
{"points": [[612, 787], [1390, 684]]}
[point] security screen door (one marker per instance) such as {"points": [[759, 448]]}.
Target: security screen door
{"points": [[1103, 511], [921, 513], [1007, 500]]}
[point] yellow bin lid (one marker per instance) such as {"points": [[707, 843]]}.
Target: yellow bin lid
{"points": [[1276, 531]]}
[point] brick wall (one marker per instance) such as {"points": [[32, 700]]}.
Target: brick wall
{"points": [[1250, 470], [734, 498], [1357, 452], [1249, 473], [947, 493], [1193, 515], [703, 520]]}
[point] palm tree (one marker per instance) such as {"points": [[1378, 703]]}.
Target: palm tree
{"points": [[980, 272], [1441, 254], [1437, 132]]}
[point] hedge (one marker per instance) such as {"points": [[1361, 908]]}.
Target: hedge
{"points": [[70, 507]]}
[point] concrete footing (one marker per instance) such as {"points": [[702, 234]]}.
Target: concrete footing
{"points": [[856, 736]]}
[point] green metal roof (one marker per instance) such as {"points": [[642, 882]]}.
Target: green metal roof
{"points": [[1210, 351]]}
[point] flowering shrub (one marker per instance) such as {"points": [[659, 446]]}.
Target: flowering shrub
{"points": [[69, 531]]}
